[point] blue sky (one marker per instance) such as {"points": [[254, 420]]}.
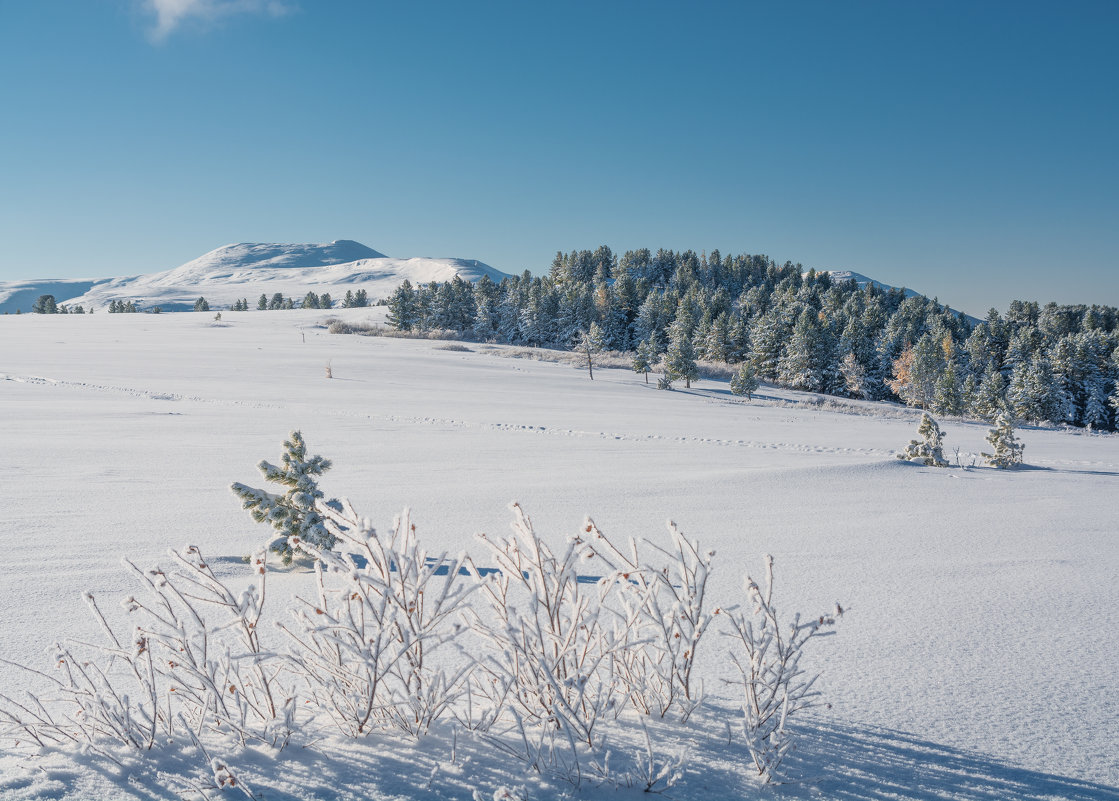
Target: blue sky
{"points": [[966, 150]]}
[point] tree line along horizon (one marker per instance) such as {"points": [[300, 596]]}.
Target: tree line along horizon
{"points": [[803, 330]]}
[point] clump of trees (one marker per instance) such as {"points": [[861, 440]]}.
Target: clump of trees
{"points": [[796, 328], [46, 304]]}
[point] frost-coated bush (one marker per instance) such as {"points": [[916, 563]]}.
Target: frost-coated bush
{"points": [[774, 685], [1007, 449], [929, 450], [363, 644], [548, 648], [191, 668], [660, 610]]}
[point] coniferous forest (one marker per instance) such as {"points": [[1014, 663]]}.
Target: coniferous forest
{"points": [[802, 330]]}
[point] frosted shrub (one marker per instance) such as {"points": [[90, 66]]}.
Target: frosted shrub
{"points": [[548, 649], [929, 450], [192, 667], [659, 610], [363, 644], [1007, 449], [293, 514], [774, 685]]}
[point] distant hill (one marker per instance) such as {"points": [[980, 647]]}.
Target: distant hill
{"points": [[248, 270], [862, 282]]}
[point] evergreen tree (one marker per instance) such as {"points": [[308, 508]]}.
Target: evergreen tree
{"points": [[361, 298], [262, 302], [1114, 400], [404, 312], [1030, 396], [988, 400], [44, 304], [1007, 449], [325, 301], [679, 362], [590, 343], [809, 361], [276, 302], [929, 450], [767, 343], [310, 301], [292, 514], [949, 397], [854, 376], [646, 357], [744, 382], [348, 300], [201, 305]]}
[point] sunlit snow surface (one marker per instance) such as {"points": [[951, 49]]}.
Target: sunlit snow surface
{"points": [[979, 658]]}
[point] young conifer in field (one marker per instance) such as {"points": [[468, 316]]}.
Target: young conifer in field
{"points": [[292, 514], [930, 449], [1007, 449]]}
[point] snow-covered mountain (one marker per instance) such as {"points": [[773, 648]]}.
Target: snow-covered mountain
{"points": [[248, 270]]}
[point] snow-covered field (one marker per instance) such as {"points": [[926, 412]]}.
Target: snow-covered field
{"points": [[979, 658]]}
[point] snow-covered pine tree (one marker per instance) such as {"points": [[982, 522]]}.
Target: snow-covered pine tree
{"points": [[292, 514], [201, 305], [679, 362], [646, 357], [807, 354], [1007, 449], [988, 400], [404, 313], [1114, 398], [262, 303], [854, 376], [591, 342], [948, 397], [744, 381], [929, 450], [1031, 395]]}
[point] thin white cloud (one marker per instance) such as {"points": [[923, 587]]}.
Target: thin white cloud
{"points": [[170, 14]]}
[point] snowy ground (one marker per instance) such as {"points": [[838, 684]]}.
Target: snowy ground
{"points": [[979, 658]]}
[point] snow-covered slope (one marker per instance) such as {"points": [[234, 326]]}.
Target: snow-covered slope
{"points": [[977, 660], [247, 270]]}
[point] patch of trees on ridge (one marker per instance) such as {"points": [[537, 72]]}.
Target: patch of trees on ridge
{"points": [[801, 330]]}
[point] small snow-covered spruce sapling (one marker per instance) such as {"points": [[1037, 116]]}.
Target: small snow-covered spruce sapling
{"points": [[1007, 449], [744, 382], [293, 513], [929, 450]]}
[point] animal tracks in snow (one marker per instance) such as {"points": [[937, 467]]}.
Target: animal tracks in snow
{"points": [[502, 427]]}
